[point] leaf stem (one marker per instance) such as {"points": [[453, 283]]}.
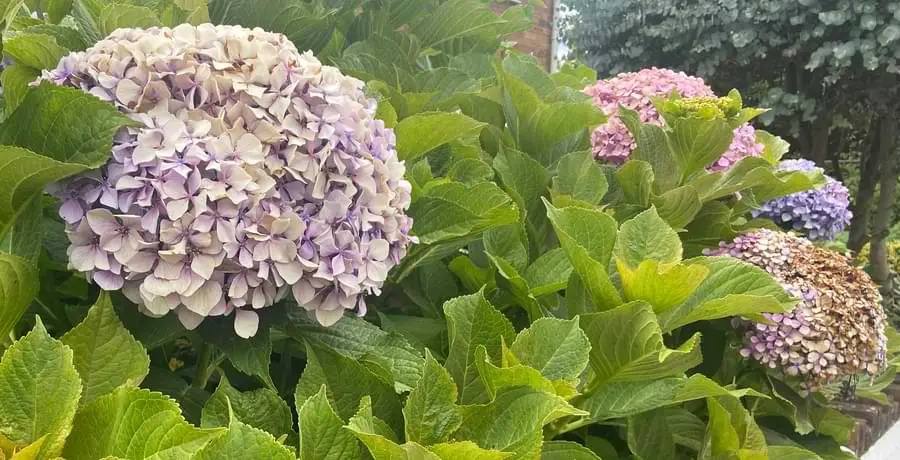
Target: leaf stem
{"points": [[285, 364], [204, 359]]}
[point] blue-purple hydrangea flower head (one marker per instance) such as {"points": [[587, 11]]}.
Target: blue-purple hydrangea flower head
{"points": [[820, 213], [252, 171]]}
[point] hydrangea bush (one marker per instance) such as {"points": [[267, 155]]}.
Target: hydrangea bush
{"points": [[614, 143], [218, 172], [820, 214], [838, 328], [251, 170]]}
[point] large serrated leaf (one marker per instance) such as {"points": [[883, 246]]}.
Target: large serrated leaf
{"points": [[580, 178], [513, 421], [135, 424], [244, 442], [662, 286], [18, 283], [473, 321], [322, 433], [122, 15], [431, 414], [421, 133], [557, 348], [357, 338], [250, 356], [448, 211], [261, 408], [34, 50], [348, 381], [647, 237], [23, 176], [732, 288], [50, 121], [39, 391], [626, 344], [588, 237], [106, 354], [15, 79], [307, 25], [566, 450]]}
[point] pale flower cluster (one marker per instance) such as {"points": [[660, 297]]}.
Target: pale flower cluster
{"points": [[252, 170]]}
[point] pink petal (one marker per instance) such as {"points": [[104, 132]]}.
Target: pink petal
{"points": [[177, 208], [71, 211]]}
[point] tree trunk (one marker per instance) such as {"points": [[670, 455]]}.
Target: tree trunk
{"points": [[868, 173], [818, 142], [881, 270]]}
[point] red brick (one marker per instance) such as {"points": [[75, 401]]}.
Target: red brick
{"points": [[537, 41]]}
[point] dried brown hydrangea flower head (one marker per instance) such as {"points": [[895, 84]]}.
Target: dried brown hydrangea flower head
{"points": [[838, 327]]}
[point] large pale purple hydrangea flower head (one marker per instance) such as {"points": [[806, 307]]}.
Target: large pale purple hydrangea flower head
{"points": [[613, 143], [820, 213], [252, 170], [838, 327]]}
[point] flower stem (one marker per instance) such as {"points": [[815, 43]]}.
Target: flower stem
{"points": [[202, 371]]}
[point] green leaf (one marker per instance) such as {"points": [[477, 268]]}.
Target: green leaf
{"points": [[678, 206], [732, 288], [732, 431], [697, 143], [348, 381], [421, 133], [687, 429], [497, 379], [513, 421], [261, 408], [457, 19], [549, 273], [307, 25], [508, 242], [50, 121], [9, 9], [448, 211], [467, 450], [470, 171], [322, 433], [580, 177], [635, 179], [105, 353], [20, 239], [18, 283], [122, 15], [250, 356], [791, 453], [473, 321], [136, 424], [431, 414], [649, 435], [15, 79], [378, 437], [527, 181], [357, 338], [566, 450], [662, 286], [39, 391], [557, 348], [58, 9], [588, 237], [23, 176], [38, 51], [244, 442], [647, 237], [626, 344]]}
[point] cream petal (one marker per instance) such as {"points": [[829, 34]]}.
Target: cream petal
{"points": [[108, 281], [329, 317], [176, 208], [189, 319], [203, 265], [291, 272], [128, 92], [246, 323], [303, 292], [205, 299]]}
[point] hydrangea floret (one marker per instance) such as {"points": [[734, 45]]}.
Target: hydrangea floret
{"points": [[820, 213], [613, 143], [838, 327], [252, 170]]}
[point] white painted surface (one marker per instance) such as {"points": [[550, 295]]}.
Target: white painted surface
{"points": [[887, 447]]}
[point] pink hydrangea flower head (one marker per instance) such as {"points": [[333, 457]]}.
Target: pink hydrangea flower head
{"points": [[613, 143], [253, 171]]}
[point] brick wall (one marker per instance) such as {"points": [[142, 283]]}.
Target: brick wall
{"points": [[537, 41]]}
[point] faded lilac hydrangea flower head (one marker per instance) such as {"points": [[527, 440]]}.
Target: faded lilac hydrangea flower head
{"points": [[612, 142], [253, 170], [837, 329], [820, 213]]}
